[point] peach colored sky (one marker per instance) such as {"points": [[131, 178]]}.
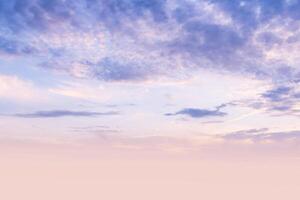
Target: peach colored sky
{"points": [[36, 170]]}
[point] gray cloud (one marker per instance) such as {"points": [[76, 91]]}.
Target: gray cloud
{"points": [[196, 39], [13, 47], [198, 113], [21, 15], [109, 69], [64, 113], [277, 94], [282, 99]]}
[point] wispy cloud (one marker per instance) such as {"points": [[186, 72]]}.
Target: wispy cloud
{"points": [[64, 113], [263, 136], [14, 88], [94, 129]]}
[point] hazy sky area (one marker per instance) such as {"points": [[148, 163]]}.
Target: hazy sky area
{"points": [[201, 81]]}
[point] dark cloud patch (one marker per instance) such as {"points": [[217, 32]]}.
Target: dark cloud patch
{"points": [[277, 94], [269, 39], [13, 47], [216, 38], [112, 12], [21, 15], [110, 69], [282, 108], [214, 42], [279, 101], [246, 12], [184, 12], [282, 99], [286, 74], [296, 95], [198, 113], [64, 113], [202, 113]]}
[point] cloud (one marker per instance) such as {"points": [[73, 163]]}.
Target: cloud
{"points": [[279, 99], [112, 70], [212, 42], [64, 113], [94, 130], [79, 90], [12, 47], [27, 91], [121, 40], [283, 99], [250, 131], [263, 136], [40, 14], [277, 94], [198, 113]]}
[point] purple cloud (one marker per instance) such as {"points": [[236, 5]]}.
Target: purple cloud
{"points": [[277, 94], [64, 113], [262, 135], [197, 36], [198, 113]]}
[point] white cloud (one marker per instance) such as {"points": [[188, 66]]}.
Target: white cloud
{"points": [[281, 42], [14, 88], [81, 91]]}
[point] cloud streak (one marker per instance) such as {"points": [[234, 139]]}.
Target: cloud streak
{"points": [[64, 113], [263, 136], [198, 113]]}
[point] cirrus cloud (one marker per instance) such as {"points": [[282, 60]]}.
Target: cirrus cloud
{"points": [[64, 113]]}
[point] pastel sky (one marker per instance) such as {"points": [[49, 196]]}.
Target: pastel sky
{"points": [[166, 83], [135, 68]]}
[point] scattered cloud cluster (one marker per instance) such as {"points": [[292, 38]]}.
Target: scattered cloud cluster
{"points": [[282, 99], [120, 40]]}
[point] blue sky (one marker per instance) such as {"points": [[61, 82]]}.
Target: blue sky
{"points": [[156, 67]]}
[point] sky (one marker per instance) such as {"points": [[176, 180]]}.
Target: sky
{"points": [[150, 68], [195, 78]]}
